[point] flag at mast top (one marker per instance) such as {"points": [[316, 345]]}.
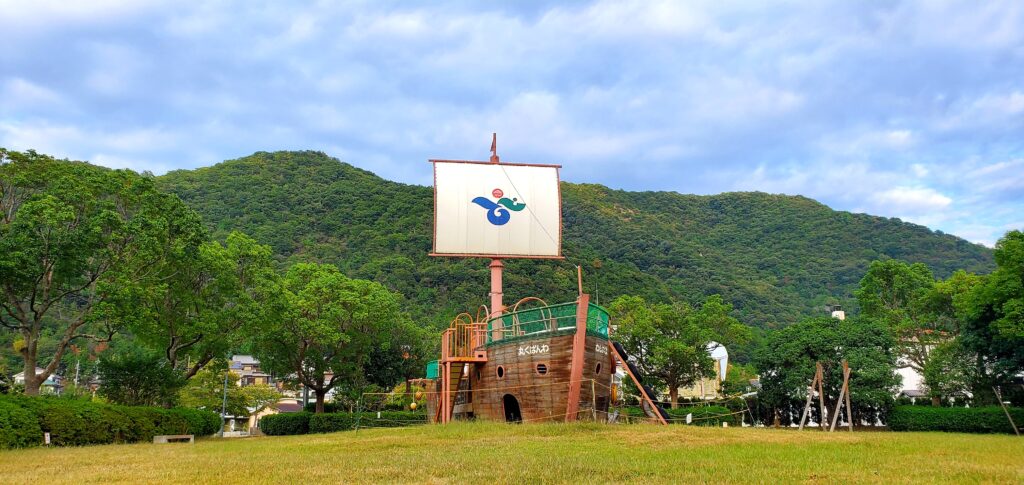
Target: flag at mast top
{"points": [[490, 209]]}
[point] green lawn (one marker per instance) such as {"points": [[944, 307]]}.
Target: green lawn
{"points": [[498, 453]]}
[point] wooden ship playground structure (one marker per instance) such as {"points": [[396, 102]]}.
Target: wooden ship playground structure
{"points": [[533, 362]]}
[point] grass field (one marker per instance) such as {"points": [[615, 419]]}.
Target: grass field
{"points": [[557, 453]]}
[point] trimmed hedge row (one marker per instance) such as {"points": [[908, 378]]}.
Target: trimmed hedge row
{"points": [[304, 422], [74, 422], [282, 424], [702, 415], [989, 419]]}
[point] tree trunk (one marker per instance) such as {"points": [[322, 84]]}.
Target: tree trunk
{"points": [[673, 396], [936, 401], [32, 382], [319, 400]]}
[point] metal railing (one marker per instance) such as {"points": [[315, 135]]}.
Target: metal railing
{"points": [[543, 319], [460, 340]]}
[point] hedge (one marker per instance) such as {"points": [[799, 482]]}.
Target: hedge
{"points": [[331, 422], [19, 428], [285, 423], [702, 415], [329, 407], [304, 422], [73, 422], [990, 419]]}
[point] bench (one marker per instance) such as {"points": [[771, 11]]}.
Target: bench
{"points": [[167, 438]]}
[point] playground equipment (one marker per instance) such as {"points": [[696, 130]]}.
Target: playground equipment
{"points": [[534, 361]]}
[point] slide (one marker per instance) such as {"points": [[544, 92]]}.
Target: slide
{"points": [[648, 404]]}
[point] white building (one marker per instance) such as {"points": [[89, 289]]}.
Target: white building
{"points": [[53, 384]]}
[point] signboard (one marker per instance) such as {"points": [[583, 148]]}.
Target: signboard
{"points": [[497, 210]]}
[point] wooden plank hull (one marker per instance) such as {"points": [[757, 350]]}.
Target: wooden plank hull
{"points": [[534, 375]]}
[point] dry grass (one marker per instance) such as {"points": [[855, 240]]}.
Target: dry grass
{"points": [[498, 453]]}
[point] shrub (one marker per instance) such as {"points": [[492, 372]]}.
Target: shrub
{"points": [[302, 423], [990, 419], [73, 422], [19, 428], [329, 407], [331, 422], [285, 423]]}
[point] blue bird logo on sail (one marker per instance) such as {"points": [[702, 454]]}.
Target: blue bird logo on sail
{"points": [[498, 212]]}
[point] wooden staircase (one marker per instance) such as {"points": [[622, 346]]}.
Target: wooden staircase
{"points": [[462, 348]]}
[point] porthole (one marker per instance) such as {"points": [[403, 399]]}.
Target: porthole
{"points": [[598, 369], [542, 369], [501, 372]]}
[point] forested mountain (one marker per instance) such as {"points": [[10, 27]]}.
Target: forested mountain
{"points": [[776, 258]]}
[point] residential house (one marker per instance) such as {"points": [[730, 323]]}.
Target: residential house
{"points": [[53, 385]]}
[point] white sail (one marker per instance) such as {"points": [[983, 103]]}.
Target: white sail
{"points": [[497, 210]]}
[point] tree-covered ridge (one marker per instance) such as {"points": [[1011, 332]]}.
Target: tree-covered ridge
{"points": [[776, 258]]}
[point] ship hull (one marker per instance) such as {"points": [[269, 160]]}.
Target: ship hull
{"points": [[528, 380]]}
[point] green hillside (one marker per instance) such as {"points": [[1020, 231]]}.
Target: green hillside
{"points": [[777, 258]]}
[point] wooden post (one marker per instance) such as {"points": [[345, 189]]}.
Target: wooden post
{"points": [[849, 408], [999, 396], [593, 400], [842, 396], [807, 405], [821, 396], [579, 347], [496, 296]]}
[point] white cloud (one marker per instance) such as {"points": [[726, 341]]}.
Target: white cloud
{"points": [[910, 109], [912, 200], [21, 93]]}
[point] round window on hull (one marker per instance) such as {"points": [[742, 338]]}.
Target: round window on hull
{"points": [[501, 372], [542, 369]]}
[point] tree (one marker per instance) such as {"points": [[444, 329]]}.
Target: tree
{"points": [[329, 329], [897, 294], [138, 379], [671, 342], [993, 312], [403, 358], [259, 397], [206, 298], [205, 390], [950, 371], [737, 380], [786, 363], [75, 241], [920, 311]]}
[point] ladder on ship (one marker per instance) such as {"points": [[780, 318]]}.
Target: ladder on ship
{"points": [[462, 348]]}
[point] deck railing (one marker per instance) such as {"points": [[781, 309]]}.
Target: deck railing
{"points": [[460, 340], [548, 318]]}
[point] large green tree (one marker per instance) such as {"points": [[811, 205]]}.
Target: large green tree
{"points": [[786, 363], [670, 343], [138, 378], [207, 299], [993, 312], [76, 241], [329, 329], [897, 295]]}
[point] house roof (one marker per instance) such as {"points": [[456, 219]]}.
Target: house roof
{"points": [[289, 406], [244, 359]]}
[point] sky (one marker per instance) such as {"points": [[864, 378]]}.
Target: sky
{"points": [[900, 109]]}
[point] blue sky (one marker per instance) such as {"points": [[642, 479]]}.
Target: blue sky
{"points": [[903, 109]]}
